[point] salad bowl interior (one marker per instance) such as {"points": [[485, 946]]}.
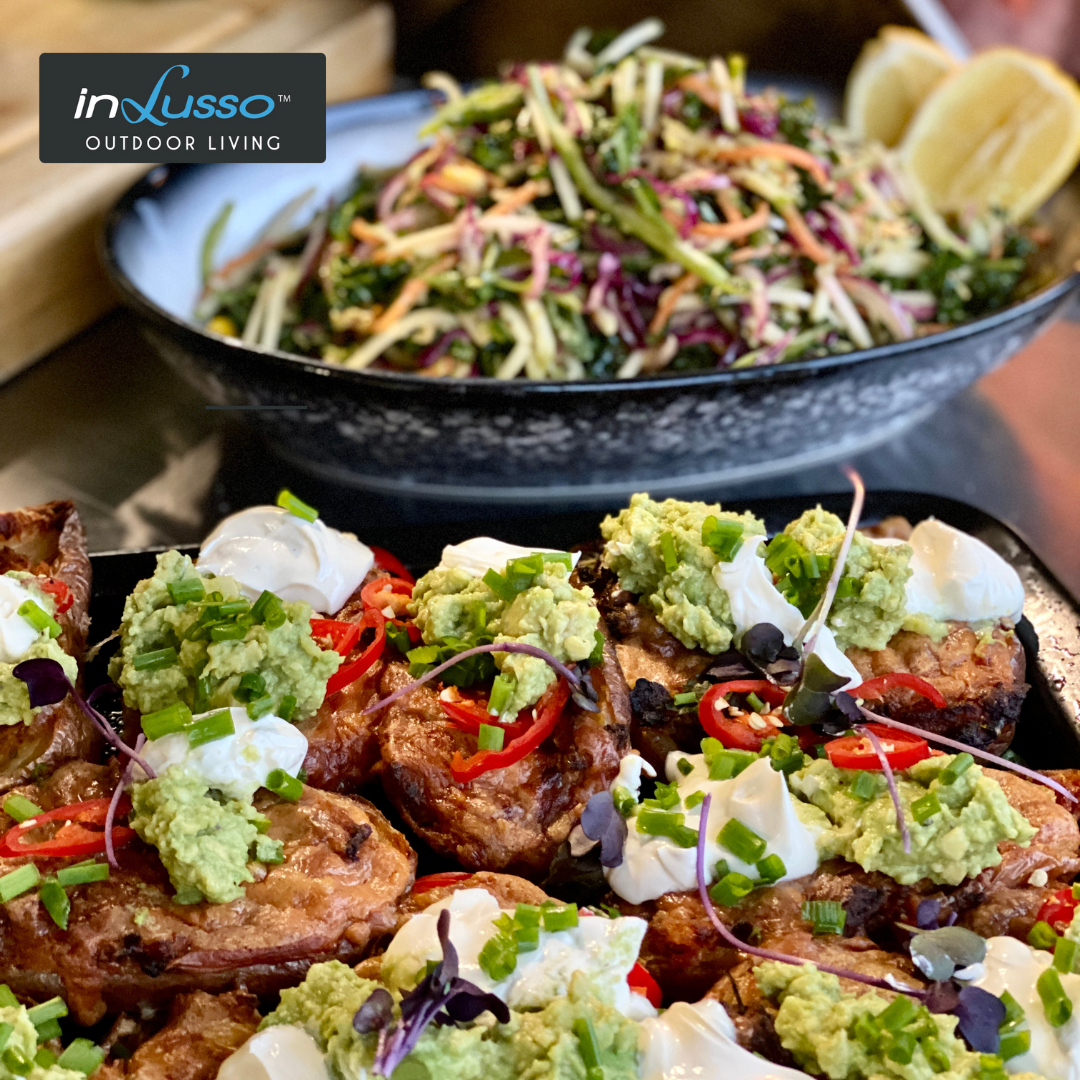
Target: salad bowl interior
{"points": [[521, 441]]}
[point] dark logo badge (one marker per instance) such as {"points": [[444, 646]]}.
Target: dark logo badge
{"points": [[182, 107]]}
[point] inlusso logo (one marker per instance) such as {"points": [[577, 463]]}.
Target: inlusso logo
{"points": [[203, 107]]}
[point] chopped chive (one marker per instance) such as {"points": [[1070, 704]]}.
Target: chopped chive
{"points": [[39, 618], [20, 809], [956, 768], [689, 698], [771, 869], [7, 999], [173, 718], [662, 823], [48, 1030], [202, 695], [210, 728], [559, 918], [755, 703], [668, 552], [731, 888], [498, 957], [1065, 955], [45, 1058], [936, 1055], [695, 798], [588, 1047], [729, 763], [259, 708], [624, 801], [156, 660], [284, 786], [17, 1062], [83, 873], [1042, 936], [233, 631], [502, 692], [1014, 1044], [82, 1056], [743, 843], [866, 1031], [723, 537], [901, 1011], [491, 737], [685, 766], [828, 916], [286, 707], [721, 869], [563, 557], [52, 1009], [902, 1047], [288, 501], [1014, 1011], [251, 685], [922, 810], [864, 786], [499, 586], [56, 902], [186, 590], [810, 566], [18, 882], [665, 797], [1056, 1003]]}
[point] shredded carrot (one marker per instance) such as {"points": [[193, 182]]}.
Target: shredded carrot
{"points": [[734, 230], [811, 246], [704, 87], [255, 252], [412, 292], [747, 254], [668, 299], [795, 155], [366, 233], [514, 199], [729, 205]]}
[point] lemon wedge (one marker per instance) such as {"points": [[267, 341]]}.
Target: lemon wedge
{"points": [[890, 80], [1002, 132]]}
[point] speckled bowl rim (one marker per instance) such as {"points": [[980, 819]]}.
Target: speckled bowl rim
{"points": [[405, 103]]}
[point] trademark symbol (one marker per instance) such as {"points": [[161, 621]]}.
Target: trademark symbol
{"points": [[283, 97]]}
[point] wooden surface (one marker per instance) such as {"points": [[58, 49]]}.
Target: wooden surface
{"points": [[51, 284]]}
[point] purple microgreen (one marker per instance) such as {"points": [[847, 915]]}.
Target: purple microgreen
{"points": [[47, 684], [983, 755], [104, 690], [728, 666], [586, 697], [557, 666], [114, 804], [890, 780], [376, 1013], [812, 627], [601, 821], [771, 954], [931, 959], [980, 1015], [937, 953], [848, 706], [810, 701], [928, 914], [942, 997], [764, 647]]}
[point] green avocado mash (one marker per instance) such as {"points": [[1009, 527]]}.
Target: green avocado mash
{"points": [[14, 698], [687, 600], [538, 1045], [877, 574], [550, 614], [286, 657], [956, 842], [204, 843], [826, 1030], [22, 1045]]}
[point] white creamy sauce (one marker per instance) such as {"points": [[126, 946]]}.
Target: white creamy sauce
{"points": [[1014, 966], [283, 1052], [955, 576], [481, 554], [699, 1041], [755, 599], [238, 764], [268, 548], [758, 797], [606, 949], [16, 634]]}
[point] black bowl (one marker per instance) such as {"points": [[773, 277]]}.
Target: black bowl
{"points": [[522, 441]]}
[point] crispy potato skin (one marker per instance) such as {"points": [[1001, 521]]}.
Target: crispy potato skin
{"points": [[510, 819], [201, 1032], [129, 946], [49, 540]]}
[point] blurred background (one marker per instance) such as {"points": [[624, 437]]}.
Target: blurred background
{"points": [[89, 412]]}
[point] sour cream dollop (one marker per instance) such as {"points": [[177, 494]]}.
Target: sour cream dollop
{"points": [[1014, 966], [268, 548], [283, 1052], [237, 764], [16, 634], [481, 554], [605, 949], [699, 1041], [755, 599], [758, 797]]}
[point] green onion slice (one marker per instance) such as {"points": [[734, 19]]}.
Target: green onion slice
{"points": [[82, 1056], [742, 842], [284, 786], [39, 618], [18, 881], [210, 728], [828, 916], [288, 501], [83, 873], [156, 660], [20, 809], [173, 718], [56, 902]]}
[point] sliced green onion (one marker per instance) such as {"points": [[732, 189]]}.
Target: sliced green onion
{"points": [[18, 882], [588, 1047], [186, 590], [1014, 1044], [743, 843], [625, 803], [286, 707], [259, 707], [922, 810], [786, 755], [1056, 1003], [864, 786], [284, 786], [729, 763], [526, 927], [866, 1031], [724, 537], [828, 916], [936, 1055], [5, 1034], [689, 698], [20, 809], [902, 1048], [1014, 1011], [288, 501], [721, 869], [559, 918], [82, 1056], [563, 557], [596, 657], [46, 1059], [156, 660], [39, 618], [16, 1062], [731, 888], [173, 718], [664, 823], [498, 957], [991, 1067], [695, 798], [210, 728], [668, 552], [49, 1030], [666, 797], [956, 768], [502, 693], [1065, 955], [268, 610], [7, 999], [499, 586], [233, 631], [901, 1011], [1042, 936], [810, 566], [56, 902], [251, 685], [491, 737], [202, 695], [755, 702], [685, 766], [771, 869], [53, 1009], [83, 873]]}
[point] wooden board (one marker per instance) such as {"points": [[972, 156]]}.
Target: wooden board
{"points": [[51, 283]]}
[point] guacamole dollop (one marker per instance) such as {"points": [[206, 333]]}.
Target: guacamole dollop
{"points": [[958, 841], [817, 1022], [289, 661], [540, 1045], [449, 603], [687, 600], [22, 1042], [205, 843], [876, 573]]}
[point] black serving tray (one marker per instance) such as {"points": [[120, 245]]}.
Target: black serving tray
{"points": [[1048, 734]]}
